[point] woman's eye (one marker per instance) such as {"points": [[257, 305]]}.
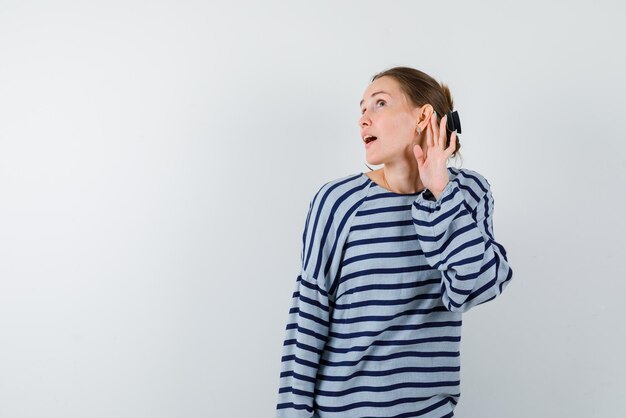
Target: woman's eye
{"points": [[377, 101]]}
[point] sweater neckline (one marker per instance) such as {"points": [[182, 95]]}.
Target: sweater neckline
{"points": [[389, 191]]}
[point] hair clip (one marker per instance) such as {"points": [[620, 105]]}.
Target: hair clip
{"points": [[454, 123]]}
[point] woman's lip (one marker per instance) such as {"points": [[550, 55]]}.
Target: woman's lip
{"points": [[370, 143]]}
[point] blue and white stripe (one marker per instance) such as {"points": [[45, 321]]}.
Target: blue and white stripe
{"points": [[374, 328]]}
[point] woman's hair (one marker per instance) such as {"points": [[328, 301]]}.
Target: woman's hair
{"points": [[421, 89]]}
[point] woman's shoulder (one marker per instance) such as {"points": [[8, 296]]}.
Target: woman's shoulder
{"points": [[472, 184], [340, 193], [348, 183], [467, 178]]}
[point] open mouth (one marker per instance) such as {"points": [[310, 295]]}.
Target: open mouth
{"points": [[370, 138]]}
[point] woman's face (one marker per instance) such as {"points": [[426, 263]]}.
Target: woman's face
{"points": [[387, 114]]}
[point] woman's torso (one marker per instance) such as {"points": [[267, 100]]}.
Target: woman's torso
{"points": [[392, 345]]}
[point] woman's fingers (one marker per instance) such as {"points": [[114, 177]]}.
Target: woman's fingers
{"points": [[419, 156], [452, 146], [436, 134], [430, 134], [443, 130], [435, 131]]}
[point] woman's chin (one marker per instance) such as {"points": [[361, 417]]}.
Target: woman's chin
{"points": [[371, 160]]}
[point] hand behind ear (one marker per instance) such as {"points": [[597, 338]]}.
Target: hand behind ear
{"points": [[432, 163]]}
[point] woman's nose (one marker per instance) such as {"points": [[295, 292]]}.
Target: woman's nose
{"points": [[364, 120]]}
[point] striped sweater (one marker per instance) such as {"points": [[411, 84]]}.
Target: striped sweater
{"points": [[374, 328]]}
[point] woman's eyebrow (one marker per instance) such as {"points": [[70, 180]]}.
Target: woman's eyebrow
{"points": [[374, 94]]}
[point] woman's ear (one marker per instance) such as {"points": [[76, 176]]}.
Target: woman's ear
{"points": [[423, 115]]}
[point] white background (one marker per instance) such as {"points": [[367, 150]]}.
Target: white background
{"points": [[157, 159]]}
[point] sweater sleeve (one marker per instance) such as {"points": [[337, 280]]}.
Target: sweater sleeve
{"points": [[457, 239], [311, 308]]}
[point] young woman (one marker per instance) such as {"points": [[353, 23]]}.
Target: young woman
{"points": [[390, 261]]}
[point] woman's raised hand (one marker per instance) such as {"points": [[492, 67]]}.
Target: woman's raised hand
{"points": [[432, 165]]}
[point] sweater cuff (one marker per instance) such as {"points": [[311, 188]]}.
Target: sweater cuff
{"points": [[431, 205], [438, 215]]}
